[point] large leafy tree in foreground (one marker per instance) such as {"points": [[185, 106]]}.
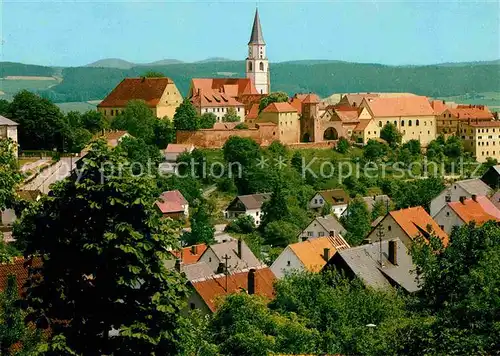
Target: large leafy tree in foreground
{"points": [[103, 247], [9, 173]]}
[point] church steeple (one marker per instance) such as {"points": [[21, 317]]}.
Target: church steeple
{"points": [[257, 63], [256, 37]]}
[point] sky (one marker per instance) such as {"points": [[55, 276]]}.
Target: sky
{"points": [[73, 33]]}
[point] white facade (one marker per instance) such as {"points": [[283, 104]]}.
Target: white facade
{"points": [[9, 131], [317, 202], [256, 214], [258, 68], [446, 218], [286, 262], [220, 111]]}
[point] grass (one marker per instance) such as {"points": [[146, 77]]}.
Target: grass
{"points": [[491, 99], [79, 106]]}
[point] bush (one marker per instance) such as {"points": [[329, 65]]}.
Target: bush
{"points": [[343, 145], [244, 224]]}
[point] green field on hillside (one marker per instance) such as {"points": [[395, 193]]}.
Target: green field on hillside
{"points": [[79, 106], [491, 99], [11, 87]]}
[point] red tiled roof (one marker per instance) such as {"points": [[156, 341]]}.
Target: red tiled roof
{"points": [[485, 124], [480, 211], [400, 106], [465, 113], [234, 86], [296, 103], [439, 106], [279, 107], [311, 99], [362, 125], [414, 222], [212, 289], [20, 269], [214, 99], [347, 115], [190, 254], [148, 89], [171, 202], [253, 113], [178, 148]]}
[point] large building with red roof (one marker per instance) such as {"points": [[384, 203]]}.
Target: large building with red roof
{"points": [[481, 138], [448, 120], [286, 118], [160, 95], [172, 204]]}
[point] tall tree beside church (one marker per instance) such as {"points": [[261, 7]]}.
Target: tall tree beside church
{"points": [[186, 117], [103, 252]]}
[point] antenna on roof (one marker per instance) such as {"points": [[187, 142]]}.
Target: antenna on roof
{"points": [[226, 258], [380, 235]]}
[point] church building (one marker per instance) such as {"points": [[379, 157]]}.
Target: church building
{"points": [[257, 63]]}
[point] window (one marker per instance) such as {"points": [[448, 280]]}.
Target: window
{"points": [[321, 201], [380, 124], [395, 123], [321, 234], [409, 122], [447, 213], [441, 227], [309, 233], [288, 263], [249, 66], [261, 66], [447, 198], [417, 123], [210, 259], [192, 306], [257, 213], [402, 122], [389, 228], [315, 201]]}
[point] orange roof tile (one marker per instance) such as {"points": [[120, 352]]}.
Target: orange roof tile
{"points": [[148, 89], [253, 113], [350, 115], [414, 222], [362, 125], [213, 288], [480, 211], [235, 86], [400, 106], [280, 107], [214, 99], [485, 124], [465, 113], [310, 252], [190, 254], [297, 104], [439, 106], [311, 99], [19, 267]]}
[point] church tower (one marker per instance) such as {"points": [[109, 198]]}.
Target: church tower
{"points": [[257, 63]]}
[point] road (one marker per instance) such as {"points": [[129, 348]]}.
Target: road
{"points": [[54, 173]]}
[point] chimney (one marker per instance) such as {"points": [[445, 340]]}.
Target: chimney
{"points": [[178, 264], [194, 249], [326, 254], [239, 248], [393, 252], [251, 281], [462, 199], [474, 197]]}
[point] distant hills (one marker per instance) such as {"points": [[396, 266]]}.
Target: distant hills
{"points": [[95, 81]]}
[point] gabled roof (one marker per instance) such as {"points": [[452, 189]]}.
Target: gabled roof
{"points": [[256, 37], [7, 122], [213, 288], [197, 270], [251, 201], [190, 254], [479, 210], [230, 249], [20, 268], [400, 106], [415, 221], [311, 99], [253, 113], [485, 124], [356, 99], [474, 186], [114, 135], [347, 114], [215, 99], [171, 201], [330, 223], [148, 89], [364, 262], [311, 252], [439, 106], [178, 148], [296, 102], [470, 112], [495, 199], [363, 124], [371, 200], [235, 86], [335, 196], [280, 107]]}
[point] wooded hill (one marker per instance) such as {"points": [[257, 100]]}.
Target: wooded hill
{"points": [[322, 77]]}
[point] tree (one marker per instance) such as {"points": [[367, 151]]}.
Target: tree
{"points": [[4, 107], [231, 116], [153, 74], [413, 147], [137, 151], [356, 221], [278, 149], [276, 208], [296, 161], [75, 139], [14, 334], [460, 288], [202, 227], [10, 176], [207, 120], [244, 224], [186, 117], [276, 97], [94, 121], [326, 209], [380, 208], [241, 126], [454, 147], [374, 150], [343, 145], [103, 256], [40, 121], [164, 132], [242, 150], [138, 120], [391, 134], [280, 233]]}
